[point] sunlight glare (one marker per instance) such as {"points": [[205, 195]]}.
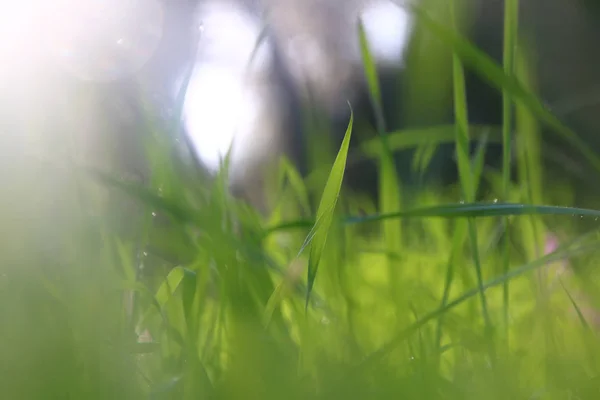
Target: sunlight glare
{"points": [[221, 106]]}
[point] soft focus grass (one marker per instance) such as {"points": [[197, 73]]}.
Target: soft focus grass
{"points": [[189, 293]]}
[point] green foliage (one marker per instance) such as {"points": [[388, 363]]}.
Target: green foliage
{"points": [[206, 298]]}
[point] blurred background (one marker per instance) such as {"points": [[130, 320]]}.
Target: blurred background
{"points": [[162, 163]]}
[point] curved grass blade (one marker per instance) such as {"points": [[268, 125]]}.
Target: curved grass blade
{"points": [[326, 209], [459, 210], [479, 210]]}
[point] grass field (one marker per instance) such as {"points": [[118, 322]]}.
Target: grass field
{"points": [[185, 292]]}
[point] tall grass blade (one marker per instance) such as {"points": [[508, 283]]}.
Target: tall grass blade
{"points": [[326, 209], [464, 164], [389, 184], [511, 19]]}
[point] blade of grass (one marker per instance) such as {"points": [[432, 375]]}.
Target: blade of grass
{"points": [[461, 127], [295, 180], [459, 236], [511, 18], [478, 161], [460, 210], [478, 210], [580, 315], [464, 165], [529, 156], [326, 209], [370, 71], [389, 185]]}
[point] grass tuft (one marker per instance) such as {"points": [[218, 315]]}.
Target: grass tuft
{"points": [[202, 296]]}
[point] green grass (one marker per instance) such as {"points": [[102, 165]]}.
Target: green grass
{"points": [[448, 294]]}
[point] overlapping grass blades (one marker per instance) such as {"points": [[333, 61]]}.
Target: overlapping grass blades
{"points": [[208, 320]]}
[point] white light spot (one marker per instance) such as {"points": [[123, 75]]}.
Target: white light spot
{"points": [[229, 37], [222, 102], [217, 107], [388, 28]]}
